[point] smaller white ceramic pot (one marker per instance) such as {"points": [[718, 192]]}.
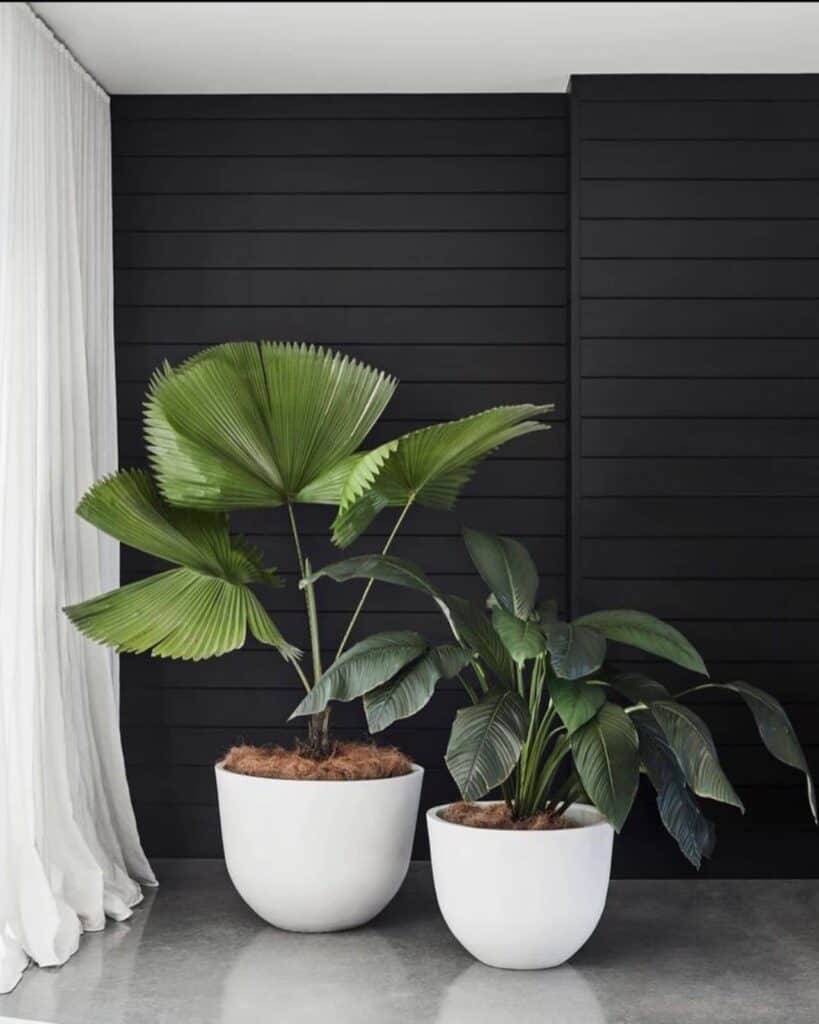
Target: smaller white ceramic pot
{"points": [[520, 899], [312, 856]]}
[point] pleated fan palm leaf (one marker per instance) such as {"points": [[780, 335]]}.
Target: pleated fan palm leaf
{"points": [[428, 466], [202, 608], [249, 425]]}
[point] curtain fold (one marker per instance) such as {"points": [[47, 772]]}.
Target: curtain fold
{"points": [[69, 849]]}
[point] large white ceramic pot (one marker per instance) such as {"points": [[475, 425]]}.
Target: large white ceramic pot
{"points": [[317, 856], [522, 899]]}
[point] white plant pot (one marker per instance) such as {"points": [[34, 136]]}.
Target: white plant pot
{"points": [[521, 899], [312, 856]]}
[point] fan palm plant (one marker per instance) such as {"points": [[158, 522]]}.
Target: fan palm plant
{"points": [[548, 719], [271, 425]]}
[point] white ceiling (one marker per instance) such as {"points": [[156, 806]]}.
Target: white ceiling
{"points": [[423, 47]]}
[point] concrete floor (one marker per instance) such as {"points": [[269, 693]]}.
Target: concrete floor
{"points": [[687, 952]]}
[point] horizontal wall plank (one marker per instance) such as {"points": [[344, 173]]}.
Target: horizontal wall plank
{"points": [[705, 437], [410, 363], [692, 120], [339, 601], [727, 279], [765, 516], [693, 398], [418, 403], [319, 137], [439, 556], [721, 200], [382, 249], [778, 642], [480, 106], [791, 682], [340, 325], [700, 357], [242, 708], [370, 287], [711, 597], [735, 159], [490, 512], [716, 88], [690, 318], [237, 174], [249, 714], [714, 238], [706, 558], [339, 213], [691, 476]]}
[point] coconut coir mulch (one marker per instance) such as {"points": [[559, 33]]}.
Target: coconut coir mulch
{"points": [[499, 816], [346, 762]]}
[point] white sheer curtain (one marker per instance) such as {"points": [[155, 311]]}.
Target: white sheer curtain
{"points": [[69, 849]]}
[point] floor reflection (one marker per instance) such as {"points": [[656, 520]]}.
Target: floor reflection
{"points": [[372, 976], [560, 995]]}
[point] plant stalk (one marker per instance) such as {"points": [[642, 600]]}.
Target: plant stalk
{"points": [[318, 728], [369, 586]]}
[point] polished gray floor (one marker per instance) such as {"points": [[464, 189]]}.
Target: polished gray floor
{"points": [[665, 953]]}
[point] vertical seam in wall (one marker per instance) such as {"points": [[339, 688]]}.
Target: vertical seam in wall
{"points": [[573, 392]]}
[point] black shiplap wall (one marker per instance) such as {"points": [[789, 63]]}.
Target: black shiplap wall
{"points": [[426, 235], [695, 379]]}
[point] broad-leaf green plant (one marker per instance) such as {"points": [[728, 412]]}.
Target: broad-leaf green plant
{"points": [[549, 720], [274, 426]]}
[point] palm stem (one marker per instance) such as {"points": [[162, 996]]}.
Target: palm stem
{"points": [[369, 586], [296, 540], [318, 726], [304, 680], [312, 618]]}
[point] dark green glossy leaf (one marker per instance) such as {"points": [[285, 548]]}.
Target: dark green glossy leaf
{"points": [[576, 650], [678, 807], [413, 686], [384, 568], [486, 741], [523, 640], [690, 739], [638, 629], [576, 702], [606, 757], [475, 632], [775, 730], [506, 567], [367, 664], [639, 689]]}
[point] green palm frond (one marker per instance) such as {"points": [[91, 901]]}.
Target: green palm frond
{"points": [[178, 614], [429, 466], [247, 425], [199, 610]]}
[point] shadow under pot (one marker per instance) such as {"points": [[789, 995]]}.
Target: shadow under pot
{"points": [[317, 856], [522, 899]]}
